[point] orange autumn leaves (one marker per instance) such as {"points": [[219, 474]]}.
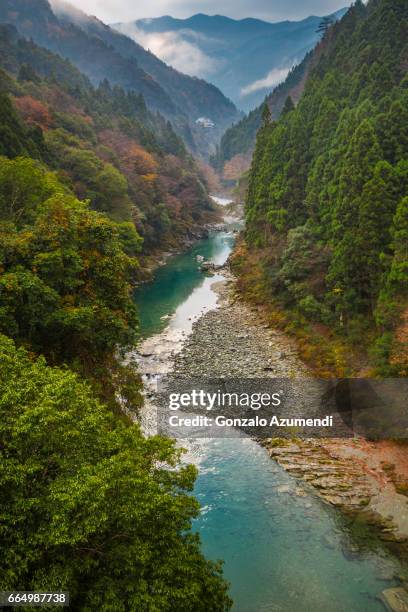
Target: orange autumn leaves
{"points": [[34, 112], [133, 157]]}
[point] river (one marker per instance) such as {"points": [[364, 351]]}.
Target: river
{"points": [[283, 548]]}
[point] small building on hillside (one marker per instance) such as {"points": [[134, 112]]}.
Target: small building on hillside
{"points": [[205, 123]]}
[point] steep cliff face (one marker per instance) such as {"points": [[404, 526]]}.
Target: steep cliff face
{"points": [[326, 203]]}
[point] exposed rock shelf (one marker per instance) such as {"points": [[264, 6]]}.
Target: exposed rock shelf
{"points": [[351, 475]]}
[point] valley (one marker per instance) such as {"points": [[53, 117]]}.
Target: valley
{"points": [[246, 59], [264, 520], [150, 231]]}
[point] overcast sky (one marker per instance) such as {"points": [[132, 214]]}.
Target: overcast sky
{"points": [[270, 10]]}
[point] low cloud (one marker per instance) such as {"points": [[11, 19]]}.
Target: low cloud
{"points": [[173, 49], [273, 78], [62, 8]]}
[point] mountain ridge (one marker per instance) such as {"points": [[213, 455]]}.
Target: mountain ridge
{"points": [[237, 143], [237, 55], [104, 143], [101, 52]]}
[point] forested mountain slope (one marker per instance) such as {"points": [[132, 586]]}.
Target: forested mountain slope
{"points": [[104, 143], [327, 205], [91, 506], [239, 140], [82, 170], [101, 53], [93, 481], [193, 96]]}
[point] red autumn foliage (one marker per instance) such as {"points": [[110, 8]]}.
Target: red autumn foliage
{"points": [[59, 99], [133, 157], [236, 167], [34, 112]]}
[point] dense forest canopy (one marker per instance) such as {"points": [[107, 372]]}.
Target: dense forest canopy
{"points": [[90, 178], [127, 161], [100, 52], [326, 206], [97, 509]]}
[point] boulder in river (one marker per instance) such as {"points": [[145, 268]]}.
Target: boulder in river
{"points": [[207, 265], [396, 599], [210, 266]]}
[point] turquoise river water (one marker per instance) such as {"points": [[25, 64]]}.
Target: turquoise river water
{"points": [[284, 550]]}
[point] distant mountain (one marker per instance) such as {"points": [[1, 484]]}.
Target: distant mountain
{"points": [[102, 53], [244, 58], [104, 144]]}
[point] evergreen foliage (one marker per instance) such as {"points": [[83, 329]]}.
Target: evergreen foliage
{"points": [[91, 506], [331, 176], [240, 138]]}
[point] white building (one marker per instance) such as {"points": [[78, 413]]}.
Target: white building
{"points": [[205, 122]]}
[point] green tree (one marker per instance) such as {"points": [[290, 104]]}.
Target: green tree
{"points": [[27, 73], [16, 138], [288, 107], [266, 114], [377, 209], [346, 273], [112, 194], [395, 290], [66, 285], [24, 185], [91, 506]]}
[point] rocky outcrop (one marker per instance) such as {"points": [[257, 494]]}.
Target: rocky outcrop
{"points": [[339, 482], [339, 473], [395, 600]]}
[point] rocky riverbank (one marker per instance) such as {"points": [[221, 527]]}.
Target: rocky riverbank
{"points": [[351, 475], [150, 263], [357, 477], [231, 341], [229, 215]]}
